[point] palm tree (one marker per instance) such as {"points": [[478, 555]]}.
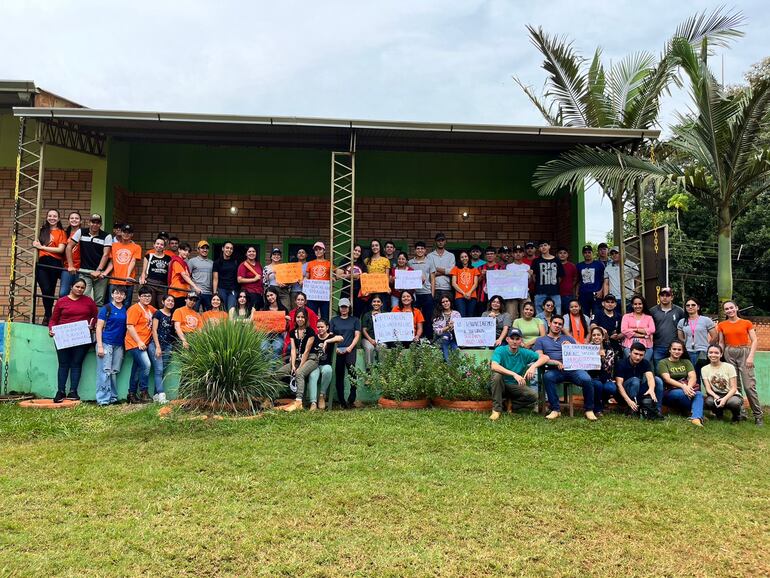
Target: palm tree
{"points": [[718, 155], [626, 96]]}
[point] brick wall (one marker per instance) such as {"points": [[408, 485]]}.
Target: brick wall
{"points": [[762, 325], [65, 190]]}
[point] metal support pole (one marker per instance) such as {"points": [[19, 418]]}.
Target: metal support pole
{"points": [[342, 216]]}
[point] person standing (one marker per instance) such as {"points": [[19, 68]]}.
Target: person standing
{"points": [[570, 279], [180, 282], [319, 269], [296, 289], [401, 265], [612, 276], [590, 282], [250, 279], [490, 264], [350, 274], [70, 309], [698, 332], [138, 338], [513, 367], [476, 260], [110, 339], [201, 271], [738, 338], [514, 306], [603, 258], [530, 253], [349, 328], [441, 264], [225, 277], [67, 276], [638, 327], [125, 253], [50, 245], [666, 317], [378, 264], [465, 280], [155, 271], [390, 253], [609, 320], [423, 295], [163, 338], [548, 273], [93, 245]]}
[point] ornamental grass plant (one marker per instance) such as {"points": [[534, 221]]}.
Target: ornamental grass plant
{"points": [[227, 367]]}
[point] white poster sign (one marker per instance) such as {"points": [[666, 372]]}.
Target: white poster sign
{"points": [[576, 356], [508, 284], [475, 331], [408, 279], [317, 289], [389, 327], [71, 334]]}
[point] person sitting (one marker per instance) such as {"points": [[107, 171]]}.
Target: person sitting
{"points": [[576, 322], [530, 326], [721, 382], [550, 345], [406, 306], [603, 378], [513, 367], [443, 321], [369, 342], [303, 360], [680, 383], [637, 384], [502, 319]]}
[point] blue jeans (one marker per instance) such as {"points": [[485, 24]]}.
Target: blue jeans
{"points": [[565, 299], [204, 302], [466, 307], [140, 371], [67, 280], [659, 353], [603, 391], [107, 369], [553, 377], [589, 303], [540, 297], [647, 355], [228, 297], [637, 392], [425, 304], [677, 399], [320, 308], [447, 345], [159, 364], [694, 355], [274, 344]]}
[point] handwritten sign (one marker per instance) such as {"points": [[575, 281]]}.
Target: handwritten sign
{"points": [[286, 273], [270, 321], [389, 327], [374, 283], [317, 289], [508, 283], [71, 334], [475, 331], [408, 279], [576, 356]]}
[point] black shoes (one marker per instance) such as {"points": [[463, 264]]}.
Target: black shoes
{"points": [[59, 397], [73, 395], [132, 398], [144, 397]]}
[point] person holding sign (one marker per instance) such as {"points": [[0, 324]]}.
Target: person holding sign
{"points": [[502, 319], [576, 323], [302, 360], [513, 367], [490, 264], [319, 269], [550, 345], [423, 295], [514, 306], [681, 389], [73, 308], [401, 265], [297, 287], [275, 339], [110, 337], [138, 336], [604, 382], [371, 347], [349, 328], [406, 306], [270, 278], [465, 280], [444, 318], [639, 387]]}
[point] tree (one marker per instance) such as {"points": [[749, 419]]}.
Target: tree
{"points": [[717, 155]]}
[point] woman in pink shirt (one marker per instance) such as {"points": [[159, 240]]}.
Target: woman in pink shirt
{"points": [[638, 327]]}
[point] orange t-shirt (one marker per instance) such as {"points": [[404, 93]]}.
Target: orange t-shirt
{"points": [[736, 334], [416, 313], [465, 278], [178, 281], [57, 237], [214, 316], [190, 319], [319, 269], [123, 254], [75, 251], [141, 319]]}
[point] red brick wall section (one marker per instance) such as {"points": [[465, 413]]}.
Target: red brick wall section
{"points": [[762, 325], [65, 190], [275, 219]]}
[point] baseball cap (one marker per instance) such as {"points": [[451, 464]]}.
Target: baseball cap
{"points": [[615, 250], [514, 333], [203, 243], [192, 295], [588, 248], [96, 217], [128, 229], [609, 297], [319, 244], [163, 234], [602, 246], [117, 225], [504, 249], [276, 250], [440, 237], [530, 244], [518, 248], [666, 290], [344, 302]]}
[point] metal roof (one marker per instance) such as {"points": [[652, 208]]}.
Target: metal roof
{"points": [[16, 92], [331, 134]]}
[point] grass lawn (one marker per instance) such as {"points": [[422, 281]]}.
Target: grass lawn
{"points": [[95, 492]]}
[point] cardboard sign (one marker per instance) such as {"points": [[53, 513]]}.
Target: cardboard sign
{"points": [[374, 283], [270, 321], [408, 279], [317, 289], [475, 331], [71, 334], [287, 273], [389, 327], [576, 356], [508, 284]]}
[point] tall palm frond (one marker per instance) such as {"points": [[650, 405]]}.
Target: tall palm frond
{"points": [[625, 79]]}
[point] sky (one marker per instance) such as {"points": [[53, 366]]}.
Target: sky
{"points": [[415, 60]]}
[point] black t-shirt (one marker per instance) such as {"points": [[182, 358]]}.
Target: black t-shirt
{"points": [[547, 272], [324, 353], [158, 269], [627, 370], [166, 334], [227, 269], [91, 247], [609, 324], [301, 344]]}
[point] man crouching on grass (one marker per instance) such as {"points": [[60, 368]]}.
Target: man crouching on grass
{"points": [[513, 367]]}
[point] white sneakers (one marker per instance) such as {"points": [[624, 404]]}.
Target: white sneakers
{"points": [[159, 398]]}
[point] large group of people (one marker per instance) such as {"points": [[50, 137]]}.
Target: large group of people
{"points": [[649, 357]]}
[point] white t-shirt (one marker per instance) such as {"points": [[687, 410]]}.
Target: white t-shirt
{"points": [[719, 377]]}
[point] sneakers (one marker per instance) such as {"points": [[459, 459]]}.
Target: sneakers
{"points": [[59, 397], [591, 416], [132, 398], [321, 401], [495, 416], [697, 422], [160, 397], [759, 422], [554, 415], [73, 395], [294, 406], [313, 406]]}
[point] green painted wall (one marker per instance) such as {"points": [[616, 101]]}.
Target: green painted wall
{"points": [[118, 168]]}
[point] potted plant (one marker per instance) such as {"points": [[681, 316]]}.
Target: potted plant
{"points": [[227, 367], [466, 386]]}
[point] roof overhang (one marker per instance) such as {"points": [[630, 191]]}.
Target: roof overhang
{"points": [[16, 93], [331, 134]]}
